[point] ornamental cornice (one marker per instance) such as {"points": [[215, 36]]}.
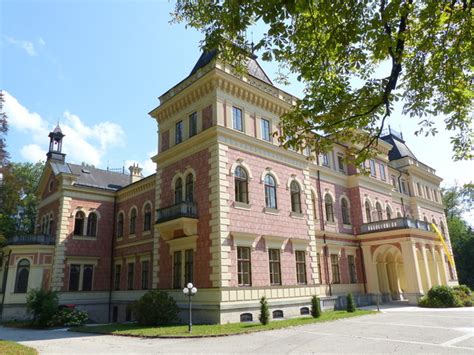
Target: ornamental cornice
{"points": [[135, 189]]}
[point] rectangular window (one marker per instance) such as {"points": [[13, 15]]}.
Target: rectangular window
{"points": [[435, 195], [382, 171], [372, 168], [427, 193], [265, 126], [237, 121], [320, 276], [243, 266], [340, 162], [404, 187], [336, 278], [177, 269], [145, 273], [394, 183], [420, 190], [192, 124], [179, 132], [352, 268], [326, 159], [188, 265], [74, 275], [87, 277], [300, 267], [275, 270], [118, 270], [130, 274]]}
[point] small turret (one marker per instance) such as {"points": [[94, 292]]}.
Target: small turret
{"points": [[135, 173], [55, 145]]}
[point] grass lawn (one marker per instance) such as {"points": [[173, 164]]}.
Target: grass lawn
{"points": [[212, 330], [12, 348]]}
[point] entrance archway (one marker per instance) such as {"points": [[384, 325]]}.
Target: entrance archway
{"points": [[390, 272]]}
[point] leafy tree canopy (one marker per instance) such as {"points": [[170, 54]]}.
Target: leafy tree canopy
{"points": [[337, 48], [19, 200]]}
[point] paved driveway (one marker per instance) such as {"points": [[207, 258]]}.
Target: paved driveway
{"points": [[402, 330]]}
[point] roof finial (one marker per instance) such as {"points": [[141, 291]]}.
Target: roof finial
{"points": [[252, 45]]}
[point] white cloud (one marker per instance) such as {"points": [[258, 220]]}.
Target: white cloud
{"points": [[27, 46], [33, 153], [82, 143], [148, 166]]}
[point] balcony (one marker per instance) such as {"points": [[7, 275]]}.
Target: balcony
{"points": [[177, 220], [392, 224], [35, 239]]}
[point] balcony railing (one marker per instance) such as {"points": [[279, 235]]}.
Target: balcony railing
{"points": [[182, 209], [42, 239], [391, 224]]}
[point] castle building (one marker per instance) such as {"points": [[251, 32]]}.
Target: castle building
{"points": [[232, 211]]}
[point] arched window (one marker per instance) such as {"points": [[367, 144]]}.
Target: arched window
{"points": [[434, 222], [22, 274], [147, 218], [246, 317], [178, 191], [425, 219], [328, 204], [368, 213], [189, 188], [313, 203], [51, 225], [378, 207], [277, 314], [388, 211], [79, 223], [120, 225], [295, 197], [399, 214], [241, 185], [133, 220], [304, 311], [441, 224], [92, 225], [270, 192], [345, 211]]}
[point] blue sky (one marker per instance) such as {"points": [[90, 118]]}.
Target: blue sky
{"points": [[98, 67]]}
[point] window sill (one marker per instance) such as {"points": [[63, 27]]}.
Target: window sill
{"points": [[146, 233], [83, 237], [273, 211], [328, 223], [242, 205], [297, 215], [244, 286], [132, 236], [119, 239], [347, 226]]}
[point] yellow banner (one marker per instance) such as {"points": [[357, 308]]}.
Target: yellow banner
{"points": [[445, 246]]}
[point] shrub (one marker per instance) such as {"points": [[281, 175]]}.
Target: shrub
{"points": [[156, 308], [315, 307], [43, 305], [69, 317], [445, 296], [463, 295], [350, 303], [264, 316]]}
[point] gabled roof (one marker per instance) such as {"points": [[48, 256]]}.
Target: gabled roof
{"points": [[399, 148], [92, 177], [253, 68]]}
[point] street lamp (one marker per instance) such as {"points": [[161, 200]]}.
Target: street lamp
{"points": [[190, 291]]}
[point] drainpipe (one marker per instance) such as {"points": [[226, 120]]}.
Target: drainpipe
{"points": [[4, 282], [364, 276], [112, 246]]}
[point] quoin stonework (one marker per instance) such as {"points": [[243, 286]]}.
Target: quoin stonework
{"points": [[233, 212]]}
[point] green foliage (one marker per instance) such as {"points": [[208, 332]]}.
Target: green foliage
{"points": [[315, 307], [264, 316], [350, 58], [69, 317], [350, 303], [43, 305], [18, 194], [445, 296], [458, 200], [156, 308]]}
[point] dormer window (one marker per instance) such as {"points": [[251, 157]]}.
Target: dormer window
{"points": [[340, 163]]}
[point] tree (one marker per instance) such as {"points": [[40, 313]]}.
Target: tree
{"points": [[350, 303], [43, 305], [264, 316], [356, 59], [19, 200], [458, 200], [3, 133], [315, 307]]}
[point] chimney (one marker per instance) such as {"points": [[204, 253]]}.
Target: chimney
{"points": [[135, 173]]}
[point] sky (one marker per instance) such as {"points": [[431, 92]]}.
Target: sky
{"points": [[98, 67]]}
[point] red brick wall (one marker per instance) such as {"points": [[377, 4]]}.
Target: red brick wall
{"points": [[165, 140]]}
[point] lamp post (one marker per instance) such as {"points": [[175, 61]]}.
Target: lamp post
{"points": [[190, 291]]}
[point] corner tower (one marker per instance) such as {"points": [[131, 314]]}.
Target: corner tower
{"points": [[55, 145]]}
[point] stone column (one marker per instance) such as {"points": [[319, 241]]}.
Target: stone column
{"points": [[435, 266], [427, 268], [370, 271], [412, 272], [444, 272]]}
